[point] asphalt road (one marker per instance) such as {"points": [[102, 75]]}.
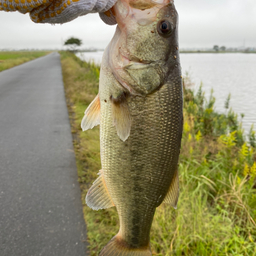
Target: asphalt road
{"points": [[40, 205]]}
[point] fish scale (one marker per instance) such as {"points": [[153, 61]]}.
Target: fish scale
{"points": [[148, 154]]}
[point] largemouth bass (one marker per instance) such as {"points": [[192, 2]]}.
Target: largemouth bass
{"points": [[139, 109]]}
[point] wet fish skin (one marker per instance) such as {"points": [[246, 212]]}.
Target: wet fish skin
{"points": [[140, 98]]}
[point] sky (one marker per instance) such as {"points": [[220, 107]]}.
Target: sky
{"points": [[202, 24]]}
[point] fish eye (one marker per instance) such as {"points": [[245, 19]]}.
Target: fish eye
{"points": [[164, 28]]}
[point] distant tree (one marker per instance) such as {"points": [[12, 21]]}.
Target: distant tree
{"points": [[73, 43], [216, 48], [223, 48]]}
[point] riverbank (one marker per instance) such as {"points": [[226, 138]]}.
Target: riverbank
{"points": [[12, 59], [216, 210]]}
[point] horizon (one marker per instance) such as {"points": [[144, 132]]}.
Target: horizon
{"points": [[91, 49]]}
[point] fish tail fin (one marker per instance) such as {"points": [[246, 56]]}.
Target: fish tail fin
{"points": [[118, 247]]}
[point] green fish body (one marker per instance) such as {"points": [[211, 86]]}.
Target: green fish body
{"points": [[139, 109]]}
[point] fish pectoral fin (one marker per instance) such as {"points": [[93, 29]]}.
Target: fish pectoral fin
{"points": [[98, 196], [91, 115], [172, 195], [121, 119]]}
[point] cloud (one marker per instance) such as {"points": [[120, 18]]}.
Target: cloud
{"points": [[202, 24], [18, 31]]}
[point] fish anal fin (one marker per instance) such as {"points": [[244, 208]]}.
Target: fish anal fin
{"points": [[172, 195], [98, 196], [91, 115], [121, 117], [117, 246]]}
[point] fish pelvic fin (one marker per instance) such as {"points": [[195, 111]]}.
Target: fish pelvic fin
{"points": [[91, 115], [117, 246], [98, 196], [121, 117], [172, 195]]}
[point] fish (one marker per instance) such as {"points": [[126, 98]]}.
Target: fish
{"points": [[139, 108]]}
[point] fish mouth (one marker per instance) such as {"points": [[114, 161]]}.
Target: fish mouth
{"points": [[137, 60], [137, 63], [131, 60]]}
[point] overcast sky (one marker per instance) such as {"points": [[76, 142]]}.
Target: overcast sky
{"points": [[203, 23]]}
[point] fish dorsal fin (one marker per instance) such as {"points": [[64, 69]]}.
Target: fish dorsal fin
{"points": [[98, 196], [121, 118], [172, 195], [91, 115]]}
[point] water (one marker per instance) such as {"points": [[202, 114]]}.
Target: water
{"points": [[233, 73], [226, 73], [95, 57]]}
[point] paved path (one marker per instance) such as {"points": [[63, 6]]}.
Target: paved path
{"points": [[40, 205]]}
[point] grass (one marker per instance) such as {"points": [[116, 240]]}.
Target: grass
{"points": [[216, 212], [12, 59]]}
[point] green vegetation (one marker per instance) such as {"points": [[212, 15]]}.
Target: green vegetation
{"points": [[216, 212], [11, 59], [216, 48]]}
